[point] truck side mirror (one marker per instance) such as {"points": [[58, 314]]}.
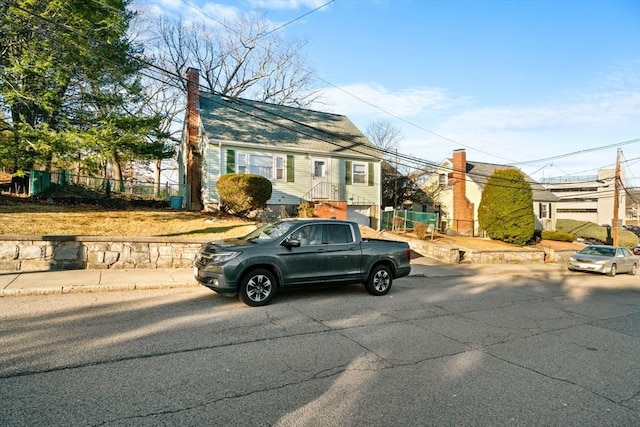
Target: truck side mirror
{"points": [[291, 243]]}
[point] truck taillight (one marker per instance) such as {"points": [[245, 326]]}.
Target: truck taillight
{"points": [[409, 254]]}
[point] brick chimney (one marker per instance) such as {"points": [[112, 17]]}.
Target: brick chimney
{"points": [[462, 207], [194, 158]]}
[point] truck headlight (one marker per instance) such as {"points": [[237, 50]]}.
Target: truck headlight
{"points": [[220, 257]]}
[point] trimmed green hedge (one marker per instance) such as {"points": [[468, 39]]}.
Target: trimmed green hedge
{"points": [[242, 193], [591, 231], [559, 236]]}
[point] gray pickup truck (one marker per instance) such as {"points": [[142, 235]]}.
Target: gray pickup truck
{"points": [[295, 252]]}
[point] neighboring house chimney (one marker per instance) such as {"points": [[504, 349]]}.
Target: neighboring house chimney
{"points": [[462, 207], [194, 158]]}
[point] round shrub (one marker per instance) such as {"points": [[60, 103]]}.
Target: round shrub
{"points": [[243, 193]]}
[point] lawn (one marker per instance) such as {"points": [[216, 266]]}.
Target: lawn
{"points": [[25, 217]]}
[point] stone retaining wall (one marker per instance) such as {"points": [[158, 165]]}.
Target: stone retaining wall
{"points": [[36, 252], [533, 256], [455, 255]]}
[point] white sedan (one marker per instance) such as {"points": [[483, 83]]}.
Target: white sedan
{"points": [[604, 259]]}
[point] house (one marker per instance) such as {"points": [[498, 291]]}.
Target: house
{"points": [[586, 198], [309, 156], [456, 188]]}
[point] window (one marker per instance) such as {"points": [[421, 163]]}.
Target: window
{"points": [[318, 168], [280, 168], [261, 164], [309, 235], [442, 180], [575, 189], [267, 165], [339, 233], [545, 211], [359, 173], [577, 210], [241, 164]]}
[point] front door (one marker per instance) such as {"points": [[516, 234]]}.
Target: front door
{"points": [[320, 186]]}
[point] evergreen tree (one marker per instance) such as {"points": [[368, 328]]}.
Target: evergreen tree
{"points": [[506, 207], [69, 86]]}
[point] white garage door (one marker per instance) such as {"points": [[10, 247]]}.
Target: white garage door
{"points": [[359, 214]]}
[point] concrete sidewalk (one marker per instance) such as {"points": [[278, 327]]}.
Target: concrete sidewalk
{"points": [[70, 281]]}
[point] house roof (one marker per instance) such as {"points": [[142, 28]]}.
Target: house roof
{"points": [[260, 123], [480, 172]]}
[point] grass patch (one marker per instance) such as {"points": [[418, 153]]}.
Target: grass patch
{"points": [[28, 216]]}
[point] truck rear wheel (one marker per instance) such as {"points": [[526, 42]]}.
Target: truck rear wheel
{"points": [[257, 288], [379, 281]]}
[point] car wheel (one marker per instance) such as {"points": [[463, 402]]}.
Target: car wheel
{"points": [[634, 269], [613, 270], [258, 287], [379, 281]]}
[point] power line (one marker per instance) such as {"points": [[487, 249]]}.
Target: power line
{"points": [[388, 112], [407, 121], [267, 33], [342, 89], [588, 150], [413, 161]]}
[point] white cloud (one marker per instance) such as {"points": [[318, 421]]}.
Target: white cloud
{"points": [[209, 12], [157, 7], [599, 110], [170, 4], [221, 12], [435, 123], [287, 4], [376, 100]]}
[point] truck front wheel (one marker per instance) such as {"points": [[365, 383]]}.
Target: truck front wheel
{"points": [[257, 288], [380, 280]]}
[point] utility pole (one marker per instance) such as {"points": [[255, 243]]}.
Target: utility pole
{"points": [[616, 201], [395, 190]]}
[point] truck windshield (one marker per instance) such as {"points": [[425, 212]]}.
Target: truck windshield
{"points": [[270, 231]]}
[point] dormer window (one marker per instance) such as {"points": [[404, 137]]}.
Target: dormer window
{"points": [[443, 180]]}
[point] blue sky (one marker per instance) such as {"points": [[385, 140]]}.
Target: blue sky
{"points": [[522, 82]]}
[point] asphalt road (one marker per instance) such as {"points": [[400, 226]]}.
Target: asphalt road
{"points": [[501, 349]]}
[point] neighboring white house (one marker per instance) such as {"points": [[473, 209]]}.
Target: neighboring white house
{"points": [[309, 156], [456, 188], [587, 198]]}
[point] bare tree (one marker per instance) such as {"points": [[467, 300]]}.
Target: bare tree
{"points": [[401, 173], [164, 101], [386, 137], [244, 58]]}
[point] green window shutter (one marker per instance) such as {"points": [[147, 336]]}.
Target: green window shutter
{"points": [[371, 174], [231, 161], [347, 172], [290, 169]]}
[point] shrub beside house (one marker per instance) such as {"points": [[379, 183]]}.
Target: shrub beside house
{"points": [[456, 188]]}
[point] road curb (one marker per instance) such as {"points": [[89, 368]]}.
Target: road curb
{"points": [[80, 289]]}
